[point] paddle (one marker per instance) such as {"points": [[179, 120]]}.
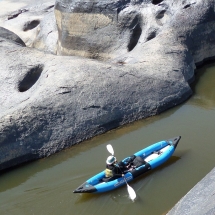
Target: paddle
{"points": [[131, 191], [110, 149]]}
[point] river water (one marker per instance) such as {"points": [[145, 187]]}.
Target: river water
{"points": [[45, 186]]}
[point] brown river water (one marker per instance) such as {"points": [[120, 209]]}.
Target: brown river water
{"points": [[45, 186]]}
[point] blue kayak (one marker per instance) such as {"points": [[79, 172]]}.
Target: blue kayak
{"points": [[146, 159]]}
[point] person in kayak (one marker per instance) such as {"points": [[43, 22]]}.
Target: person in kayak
{"points": [[113, 169]]}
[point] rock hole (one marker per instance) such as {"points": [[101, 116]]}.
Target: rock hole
{"points": [[160, 15], [135, 35], [30, 78], [186, 6], [156, 1], [151, 36], [30, 25], [92, 106]]}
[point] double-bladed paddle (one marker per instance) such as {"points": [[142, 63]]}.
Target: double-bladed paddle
{"points": [[131, 191]]}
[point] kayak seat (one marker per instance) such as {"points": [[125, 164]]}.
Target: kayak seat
{"points": [[107, 179], [138, 161]]}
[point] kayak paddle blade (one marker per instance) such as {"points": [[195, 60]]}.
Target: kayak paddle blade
{"points": [[110, 149], [131, 193]]}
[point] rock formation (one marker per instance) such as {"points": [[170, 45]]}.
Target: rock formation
{"points": [[129, 59]]}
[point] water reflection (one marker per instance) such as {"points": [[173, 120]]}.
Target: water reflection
{"points": [[84, 197], [205, 90]]}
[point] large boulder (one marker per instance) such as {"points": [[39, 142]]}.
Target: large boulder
{"points": [[52, 102], [143, 56]]}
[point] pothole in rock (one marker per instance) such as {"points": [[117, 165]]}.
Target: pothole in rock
{"points": [[31, 25], [30, 78], [151, 36], [160, 14], [161, 17], [186, 6], [135, 35], [156, 1]]}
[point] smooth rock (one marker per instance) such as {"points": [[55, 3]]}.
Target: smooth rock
{"points": [[142, 62]]}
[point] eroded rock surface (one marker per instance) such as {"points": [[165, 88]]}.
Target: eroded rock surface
{"points": [[35, 24], [143, 56]]}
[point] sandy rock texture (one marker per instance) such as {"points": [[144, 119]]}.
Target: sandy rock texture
{"points": [[34, 22]]}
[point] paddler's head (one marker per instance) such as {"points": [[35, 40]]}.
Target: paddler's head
{"points": [[111, 160]]}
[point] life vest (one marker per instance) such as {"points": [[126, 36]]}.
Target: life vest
{"points": [[108, 173]]}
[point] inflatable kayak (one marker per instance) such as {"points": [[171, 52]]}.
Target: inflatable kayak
{"points": [[144, 160]]}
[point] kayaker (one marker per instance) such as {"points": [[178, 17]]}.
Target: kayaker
{"points": [[113, 170]]}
